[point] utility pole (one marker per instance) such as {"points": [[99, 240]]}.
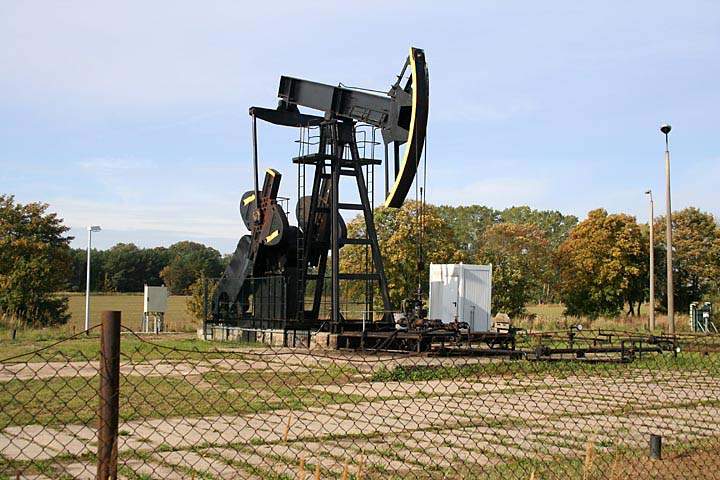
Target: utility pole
{"points": [[90, 230], [665, 129], [651, 223]]}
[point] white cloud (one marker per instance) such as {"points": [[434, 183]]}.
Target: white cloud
{"points": [[497, 192], [201, 220], [119, 163]]}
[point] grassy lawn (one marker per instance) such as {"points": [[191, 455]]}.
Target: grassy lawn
{"points": [[552, 317], [58, 401], [690, 460], [177, 318], [133, 349], [697, 460], [647, 365]]}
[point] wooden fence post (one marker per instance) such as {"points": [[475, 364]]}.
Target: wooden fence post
{"points": [[109, 410]]}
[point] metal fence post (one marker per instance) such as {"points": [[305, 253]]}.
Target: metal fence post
{"points": [[205, 307], [109, 409], [655, 446]]}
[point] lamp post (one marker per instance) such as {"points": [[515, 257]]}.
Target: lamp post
{"points": [[665, 129], [652, 260], [90, 230]]}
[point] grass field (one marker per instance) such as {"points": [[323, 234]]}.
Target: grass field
{"points": [[177, 318], [552, 317]]}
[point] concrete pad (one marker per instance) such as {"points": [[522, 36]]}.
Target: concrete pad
{"points": [[17, 448], [252, 459], [54, 442], [152, 470], [81, 471], [199, 463]]}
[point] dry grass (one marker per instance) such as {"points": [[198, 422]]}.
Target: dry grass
{"points": [[552, 317], [177, 318], [701, 462]]}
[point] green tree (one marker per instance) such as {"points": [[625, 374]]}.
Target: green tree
{"points": [[125, 269], [153, 261], [189, 261], [398, 234], [468, 224], [696, 258], [518, 254], [554, 225], [77, 274], [35, 263], [201, 291], [602, 265], [122, 268]]}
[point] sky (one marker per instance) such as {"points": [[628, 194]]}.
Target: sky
{"points": [[134, 115]]}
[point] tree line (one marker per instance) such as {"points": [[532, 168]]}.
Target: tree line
{"points": [[127, 268], [595, 267], [36, 262]]}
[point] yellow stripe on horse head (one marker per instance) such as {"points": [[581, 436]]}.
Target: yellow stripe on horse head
{"points": [[272, 236]]}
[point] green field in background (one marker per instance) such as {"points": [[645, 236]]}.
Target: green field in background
{"points": [[177, 318], [552, 317]]}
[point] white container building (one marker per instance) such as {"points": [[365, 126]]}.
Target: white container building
{"points": [[462, 292]]}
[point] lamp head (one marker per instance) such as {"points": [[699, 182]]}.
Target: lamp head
{"points": [[94, 228], [665, 128], [648, 192]]}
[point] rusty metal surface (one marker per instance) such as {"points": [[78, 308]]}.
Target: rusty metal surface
{"points": [[109, 393]]}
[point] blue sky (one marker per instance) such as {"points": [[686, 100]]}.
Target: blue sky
{"points": [[133, 114]]}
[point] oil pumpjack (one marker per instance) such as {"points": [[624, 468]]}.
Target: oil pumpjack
{"points": [[278, 272]]}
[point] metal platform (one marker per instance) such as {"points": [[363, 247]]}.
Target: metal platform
{"points": [[437, 341]]}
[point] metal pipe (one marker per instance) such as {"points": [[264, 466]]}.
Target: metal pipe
{"points": [[255, 160], [109, 409], [334, 218], [205, 307], [90, 229], [387, 171], [655, 446], [668, 235], [87, 282], [651, 223]]}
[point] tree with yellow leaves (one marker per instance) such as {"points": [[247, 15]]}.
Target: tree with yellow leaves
{"points": [[603, 265], [399, 234]]}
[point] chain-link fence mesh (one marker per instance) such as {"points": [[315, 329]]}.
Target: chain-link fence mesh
{"points": [[217, 410]]}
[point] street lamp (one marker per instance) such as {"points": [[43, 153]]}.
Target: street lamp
{"points": [[90, 229], [665, 129], [652, 260]]}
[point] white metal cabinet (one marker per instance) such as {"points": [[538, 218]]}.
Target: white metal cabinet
{"points": [[461, 292], [155, 299]]}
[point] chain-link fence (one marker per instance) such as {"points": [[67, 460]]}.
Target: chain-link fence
{"points": [[161, 409]]}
